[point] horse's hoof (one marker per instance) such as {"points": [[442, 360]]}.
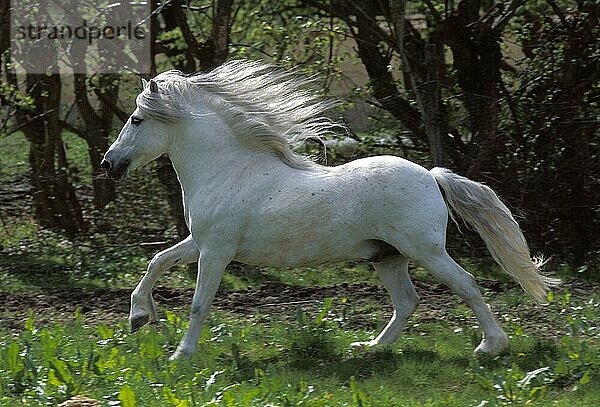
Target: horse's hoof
{"points": [[138, 321], [492, 346], [178, 355]]}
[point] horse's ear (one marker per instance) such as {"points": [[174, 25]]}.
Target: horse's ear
{"points": [[153, 86], [144, 83]]}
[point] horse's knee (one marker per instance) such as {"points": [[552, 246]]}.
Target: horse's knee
{"points": [[159, 262]]}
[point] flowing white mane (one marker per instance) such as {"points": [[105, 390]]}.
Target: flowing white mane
{"points": [[269, 108]]}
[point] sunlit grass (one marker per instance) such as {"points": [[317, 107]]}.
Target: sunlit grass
{"points": [[251, 361]]}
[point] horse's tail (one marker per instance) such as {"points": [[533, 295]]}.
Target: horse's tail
{"points": [[481, 208]]}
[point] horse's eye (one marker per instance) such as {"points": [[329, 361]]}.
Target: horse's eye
{"points": [[136, 121]]}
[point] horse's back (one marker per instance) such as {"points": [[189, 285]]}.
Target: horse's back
{"points": [[390, 180]]}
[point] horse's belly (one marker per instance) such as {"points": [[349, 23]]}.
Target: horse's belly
{"points": [[295, 252]]}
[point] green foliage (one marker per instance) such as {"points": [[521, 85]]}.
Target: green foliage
{"points": [[15, 98], [552, 118], [571, 364], [250, 362], [127, 396], [294, 36], [313, 339], [514, 386], [358, 396]]}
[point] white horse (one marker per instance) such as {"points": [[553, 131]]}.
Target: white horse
{"points": [[249, 197]]}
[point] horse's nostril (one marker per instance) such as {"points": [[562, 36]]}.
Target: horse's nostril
{"points": [[105, 165]]}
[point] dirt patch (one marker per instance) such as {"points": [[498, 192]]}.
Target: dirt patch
{"points": [[108, 306]]}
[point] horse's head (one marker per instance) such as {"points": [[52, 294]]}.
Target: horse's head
{"points": [[142, 139]]}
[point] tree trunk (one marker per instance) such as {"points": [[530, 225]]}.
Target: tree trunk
{"points": [[54, 200], [425, 90], [104, 188], [98, 126], [429, 93], [97, 121], [382, 81], [477, 58]]}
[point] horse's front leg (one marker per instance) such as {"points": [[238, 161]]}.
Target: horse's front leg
{"points": [[211, 268], [143, 309]]}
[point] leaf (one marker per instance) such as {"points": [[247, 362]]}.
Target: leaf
{"points": [[78, 315], [29, 324], [518, 331], [537, 393], [585, 379], [172, 400], [105, 332], [249, 395], [53, 380], [60, 370], [324, 311], [14, 364], [127, 396], [359, 397]]}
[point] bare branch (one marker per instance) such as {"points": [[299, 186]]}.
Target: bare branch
{"points": [[184, 26], [23, 124], [503, 20], [120, 113], [80, 132], [434, 12]]}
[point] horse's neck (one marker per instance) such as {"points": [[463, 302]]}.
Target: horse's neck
{"points": [[201, 166]]}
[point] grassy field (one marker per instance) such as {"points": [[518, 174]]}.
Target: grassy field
{"points": [[63, 333], [264, 358], [276, 337]]}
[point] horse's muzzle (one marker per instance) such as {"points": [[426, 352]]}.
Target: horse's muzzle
{"points": [[114, 171]]}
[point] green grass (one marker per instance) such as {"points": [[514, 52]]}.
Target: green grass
{"points": [[13, 161], [14, 158], [332, 274], [271, 357], [256, 360]]}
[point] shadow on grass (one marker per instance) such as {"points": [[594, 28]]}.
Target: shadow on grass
{"points": [[45, 272], [529, 355], [365, 364]]}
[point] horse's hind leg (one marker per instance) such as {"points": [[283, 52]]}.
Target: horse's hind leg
{"points": [[143, 309], [443, 267], [393, 272]]}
